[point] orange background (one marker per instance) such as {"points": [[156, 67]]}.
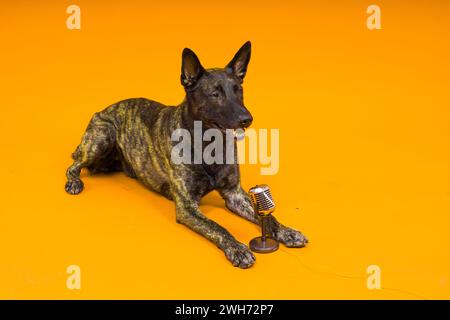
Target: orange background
{"points": [[364, 155]]}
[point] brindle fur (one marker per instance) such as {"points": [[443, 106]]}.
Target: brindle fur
{"points": [[134, 136]]}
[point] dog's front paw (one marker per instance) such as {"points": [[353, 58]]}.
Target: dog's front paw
{"points": [[290, 237], [240, 255], [74, 186]]}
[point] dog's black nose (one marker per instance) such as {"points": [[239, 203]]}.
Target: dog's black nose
{"points": [[246, 121]]}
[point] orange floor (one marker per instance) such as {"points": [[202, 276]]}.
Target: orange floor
{"points": [[364, 155]]}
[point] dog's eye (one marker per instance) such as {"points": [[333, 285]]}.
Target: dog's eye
{"points": [[217, 91]]}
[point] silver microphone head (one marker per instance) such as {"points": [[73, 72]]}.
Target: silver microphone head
{"points": [[262, 199]]}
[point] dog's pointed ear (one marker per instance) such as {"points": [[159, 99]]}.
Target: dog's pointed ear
{"points": [[191, 69], [239, 64]]}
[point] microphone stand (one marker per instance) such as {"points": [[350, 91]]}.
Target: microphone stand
{"points": [[265, 243]]}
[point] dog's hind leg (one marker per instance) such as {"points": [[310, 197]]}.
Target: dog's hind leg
{"points": [[238, 202], [97, 143]]}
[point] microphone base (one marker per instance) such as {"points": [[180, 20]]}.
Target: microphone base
{"points": [[266, 245]]}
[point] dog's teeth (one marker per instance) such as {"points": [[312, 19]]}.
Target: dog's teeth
{"points": [[239, 134]]}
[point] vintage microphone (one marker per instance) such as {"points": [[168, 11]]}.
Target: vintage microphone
{"points": [[263, 205]]}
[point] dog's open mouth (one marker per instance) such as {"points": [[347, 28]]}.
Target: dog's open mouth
{"points": [[238, 133]]}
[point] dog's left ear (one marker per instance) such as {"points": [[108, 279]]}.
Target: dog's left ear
{"points": [[240, 61], [191, 68]]}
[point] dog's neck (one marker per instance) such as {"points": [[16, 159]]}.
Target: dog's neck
{"points": [[188, 119], [187, 122]]}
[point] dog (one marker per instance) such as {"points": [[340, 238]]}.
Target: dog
{"points": [[134, 136]]}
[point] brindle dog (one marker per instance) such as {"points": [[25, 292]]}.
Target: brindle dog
{"points": [[134, 136]]}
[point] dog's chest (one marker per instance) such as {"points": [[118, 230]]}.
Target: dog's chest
{"points": [[222, 175], [202, 179]]}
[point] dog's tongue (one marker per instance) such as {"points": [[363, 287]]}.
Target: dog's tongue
{"points": [[239, 134]]}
